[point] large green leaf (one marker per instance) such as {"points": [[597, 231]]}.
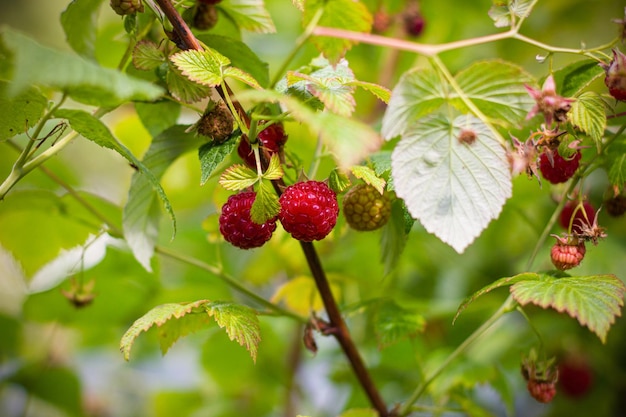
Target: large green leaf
{"points": [[79, 21], [342, 14], [84, 80], [453, 187], [573, 78], [141, 214], [249, 15], [240, 322], [589, 115], [593, 300], [20, 112]]}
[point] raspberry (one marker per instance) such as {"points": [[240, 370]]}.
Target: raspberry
{"points": [[581, 216], [272, 138], [365, 208], [308, 210], [615, 78], [414, 23], [616, 206], [575, 377], [124, 7], [542, 391], [558, 169], [566, 254], [238, 228]]}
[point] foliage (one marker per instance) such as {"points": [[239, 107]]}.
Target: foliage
{"points": [[118, 236]]}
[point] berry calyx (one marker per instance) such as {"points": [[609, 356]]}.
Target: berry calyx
{"points": [[615, 78], [567, 253], [271, 139], [238, 228], [365, 208], [577, 216], [308, 210], [124, 7], [557, 169]]}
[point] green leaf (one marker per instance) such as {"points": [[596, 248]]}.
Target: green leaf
{"points": [[595, 301], [274, 170], [20, 112], [147, 56], [141, 214], [182, 321], [240, 322], [369, 177], [417, 94], [183, 89], [393, 323], [574, 78], [381, 161], [616, 162], [382, 93], [588, 114], [266, 205], [84, 80], [158, 116], [238, 177], [240, 56], [203, 67], [249, 15], [453, 188], [79, 21], [341, 14], [338, 181], [244, 77], [496, 87], [394, 235], [212, 154]]}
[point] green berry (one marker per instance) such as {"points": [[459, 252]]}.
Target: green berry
{"points": [[124, 7], [365, 208]]}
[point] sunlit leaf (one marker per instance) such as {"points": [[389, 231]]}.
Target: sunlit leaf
{"points": [[453, 188], [595, 301], [300, 295], [183, 89], [589, 115], [369, 177], [203, 67], [382, 93], [244, 77], [249, 15], [274, 170], [238, 177], [21, 112], [265, 205], [79, 21], [212, 154], [240, 322]]}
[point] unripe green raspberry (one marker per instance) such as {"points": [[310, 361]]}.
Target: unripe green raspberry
{"points": [[365, 208], [124, 7]]}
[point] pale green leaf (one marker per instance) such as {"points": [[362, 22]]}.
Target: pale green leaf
{"points": [[382, 93], [79, 21], [595, 301], [454, 189], [381, 161], [394, 235], [572, 79], [240, 56], [240, 322], [497, 88], [589, 115], [84, 80], [240, 75], [359, 412], [368, 175], [147, 55], [342, 14], [301, 296], [265, 205], [417, 94], [238, 177], [393, 323], [159, 316], [338, 181], [501, 15], [274, 170], [203, 67], [141, 215], [250, 15], [183, 89], [20, 112], [212, 154]]}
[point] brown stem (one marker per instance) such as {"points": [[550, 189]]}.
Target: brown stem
{"points": [[186, 40]]}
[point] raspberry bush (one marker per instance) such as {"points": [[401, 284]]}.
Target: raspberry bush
{"points": [[484, 144]]}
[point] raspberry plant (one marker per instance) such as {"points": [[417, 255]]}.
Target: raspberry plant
{"points": [[178, 113]]}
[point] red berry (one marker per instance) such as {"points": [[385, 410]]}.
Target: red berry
{"points": [[615, 78], [575, 377], [584, 215], [272, 138], [542, 391], [238, 228], [308, 210], [414, 23], [616, 206], [567, 255], [558, 169], [365, 208]]}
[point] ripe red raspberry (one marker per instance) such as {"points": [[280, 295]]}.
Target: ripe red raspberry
{"points": [[581, 216], [615, 78], [542, 391], [558, 169], [308, 210], [567, 255], [271, 139], [124, 7], [575, 377], [238, 228], [365, 208]]}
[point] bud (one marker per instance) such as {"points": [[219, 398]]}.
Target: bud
{"points": [[615, 78]]}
